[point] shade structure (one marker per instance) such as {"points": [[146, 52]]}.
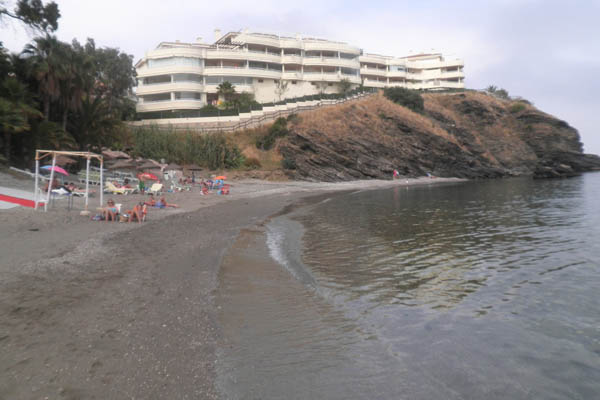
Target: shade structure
{"points": [[222, 177], [114, 155], [147, 165], [123, 164], [63, 160], [192, 167], [56, 169], [173, 167]]}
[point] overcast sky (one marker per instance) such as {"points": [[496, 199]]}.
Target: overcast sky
{"points": [[543, 50]]}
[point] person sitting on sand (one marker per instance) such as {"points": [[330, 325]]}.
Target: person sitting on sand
{"points": [[163, 203], [53, 185], [204, 188], [151, 202], [137, 213], [110, 211]]}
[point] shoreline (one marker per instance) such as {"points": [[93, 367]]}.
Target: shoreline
{"points": [[123, 307]]}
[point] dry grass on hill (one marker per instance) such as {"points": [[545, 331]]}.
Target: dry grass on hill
{"points": [[270, 160], [373, 115], [501, 138]]}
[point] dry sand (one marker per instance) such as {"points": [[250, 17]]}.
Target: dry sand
{"points": [[98, 310]]}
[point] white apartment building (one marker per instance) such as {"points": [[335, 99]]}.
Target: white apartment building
{"points": [[184, 76]]}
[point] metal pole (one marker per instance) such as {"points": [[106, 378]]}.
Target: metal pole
{"points": [[36, 188], [101, 181], [50, 182], [87, 182]]}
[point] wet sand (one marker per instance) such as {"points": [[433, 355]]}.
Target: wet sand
{"points": [[101, 310]]}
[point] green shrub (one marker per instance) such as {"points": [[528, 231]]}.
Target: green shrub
{"points": [[212, 151], [288, 163], [278, 129], [410, 99], [517, 107]]}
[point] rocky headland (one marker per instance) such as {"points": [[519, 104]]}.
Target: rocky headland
{"points": [[466, 134]]}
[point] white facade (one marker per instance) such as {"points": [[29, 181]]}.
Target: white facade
{"points": [[184, 76], [422, 72]]}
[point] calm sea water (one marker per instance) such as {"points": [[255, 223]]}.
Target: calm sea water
{"points": [[466, 291]]}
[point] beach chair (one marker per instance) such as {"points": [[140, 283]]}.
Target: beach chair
{"points": [[111, 188], [155, 189]]}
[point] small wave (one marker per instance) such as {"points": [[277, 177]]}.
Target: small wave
{"points": [[284, 247]]}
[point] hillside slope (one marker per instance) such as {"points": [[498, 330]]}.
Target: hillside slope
{"points": [[470, 135]]}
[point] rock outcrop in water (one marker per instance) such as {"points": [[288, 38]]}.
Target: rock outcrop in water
{"points": [[467, 134]]}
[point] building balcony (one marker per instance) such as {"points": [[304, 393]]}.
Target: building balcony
{"points": [[330, 46], [169, 105], [291, 75], [375, 84], [377, 60], [322, 77], [373, 71], [256, 39], [331, 61], [396, 74], [175, 52], [167, 70], [396, 84], [248, 72], [291, 59], [438, 84], [452, 74], [238, 88], [243, 55], [352, 78], [155, 88], [435, 64]]}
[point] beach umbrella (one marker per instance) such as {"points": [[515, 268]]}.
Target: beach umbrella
{"points": [[222, 177], [147, 176], [56, 169]]}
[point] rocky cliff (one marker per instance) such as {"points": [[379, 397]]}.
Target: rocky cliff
{"points": [[467, 134]]}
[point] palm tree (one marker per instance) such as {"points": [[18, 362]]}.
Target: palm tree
{"points": [[93, 124], [226, 89], [76, 81], [15, 111], [48, 68]]}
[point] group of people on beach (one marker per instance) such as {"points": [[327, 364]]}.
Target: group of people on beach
{"points": [[138, 213]]}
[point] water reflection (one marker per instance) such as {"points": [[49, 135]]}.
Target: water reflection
{"points": [[436, 246]]}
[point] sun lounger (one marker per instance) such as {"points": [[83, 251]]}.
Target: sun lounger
{"points": [[109, 187], [156, 188]]}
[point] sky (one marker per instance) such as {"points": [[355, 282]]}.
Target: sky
{"points": [[543, 50]]}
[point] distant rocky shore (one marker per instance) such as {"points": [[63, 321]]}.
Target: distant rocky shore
{"points": [[467, 135]]}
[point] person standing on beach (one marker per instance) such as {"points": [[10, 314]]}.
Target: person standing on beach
{"points": [[396, 174], [142, 186]]}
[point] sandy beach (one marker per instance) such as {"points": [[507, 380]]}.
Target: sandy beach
{"points": [[92, 309]]}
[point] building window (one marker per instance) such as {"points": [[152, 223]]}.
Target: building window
{"points": [[293, 82], [330, 84], [260, 81]]}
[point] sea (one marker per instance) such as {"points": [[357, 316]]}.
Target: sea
{"points": [[473, 290]]}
